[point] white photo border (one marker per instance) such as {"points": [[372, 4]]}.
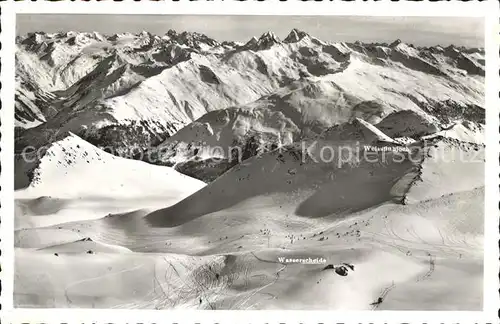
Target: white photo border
{"points": [[491, 301]]}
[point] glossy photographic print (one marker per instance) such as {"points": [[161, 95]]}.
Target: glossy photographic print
{"points": [[250, 162]]}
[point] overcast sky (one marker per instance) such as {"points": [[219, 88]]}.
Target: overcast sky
{"points": [[416, 30]]}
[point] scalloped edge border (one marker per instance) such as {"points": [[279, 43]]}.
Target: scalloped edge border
{"points": [[487, 9]]}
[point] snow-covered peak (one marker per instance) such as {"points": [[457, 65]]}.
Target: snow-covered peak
{"points": [[396, 43], [193, 40], [355, 130], [66, 160], [403, 48], [82, 39], [451, 51], [33, 38], [124, 35], [171, 33], [252, 42], [70, 33], [265, 41], [439, 48]]}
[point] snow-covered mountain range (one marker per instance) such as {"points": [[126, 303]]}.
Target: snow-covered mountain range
{"points": [[111, 132], [139, 90]]}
